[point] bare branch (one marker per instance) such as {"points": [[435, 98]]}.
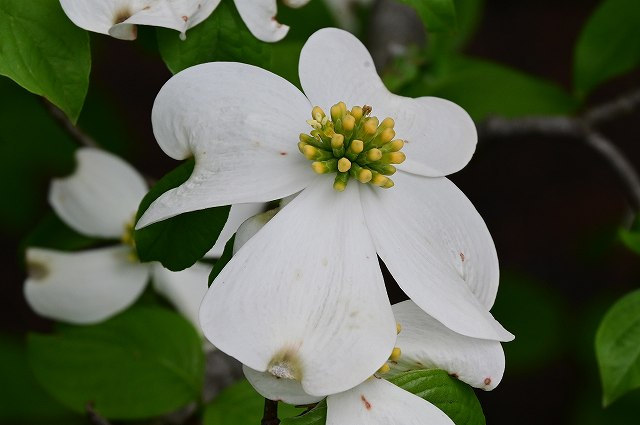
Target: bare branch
{"points": [[61, 118], [580, 127]]}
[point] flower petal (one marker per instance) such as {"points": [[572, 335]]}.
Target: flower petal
{"points": [[441, 137], [101, 197], [237, 215], [287, 390], [260, 18], [241, 123], [251, 226], [83, 287], [425, 343], [184, 289], [439, 250], [100, 15], [179, 15], [304, 297], [378, 402], [335, 66]]}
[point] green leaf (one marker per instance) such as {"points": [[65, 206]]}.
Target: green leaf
{"points": [[142, 363], [53, 233], [609, 44], [437, 15], [221, 37], [452, 396], [469, 14], [34, 148], [227, 253], [44, 52], [240, 404], [618, 348], [178, 242], [316, 416], [485, 88], [23, 399]]}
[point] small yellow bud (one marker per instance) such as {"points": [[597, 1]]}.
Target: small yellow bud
{"points": [[395, 354], [379, 180], [398, 328], [315, 124], [371, 126], [317, 114], [344, 165], [387, 123], [364, 176], [394, 157], [337, 141], [384, 369], [388, 184], [338, 110], [348, 122], [357, 113], [396, 145], [301, 146], [339, 185], [357, 146], [310, 152], [373, 155], [386, 136]]}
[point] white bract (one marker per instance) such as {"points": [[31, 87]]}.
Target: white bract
{"points": [[100, 200], [422, 343], [305, 298], [119, 18]]}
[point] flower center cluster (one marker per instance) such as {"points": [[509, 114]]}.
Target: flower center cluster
{"points": [[128, 239], [352, 144]]}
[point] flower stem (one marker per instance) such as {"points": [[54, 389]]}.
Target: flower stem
{"points": [[270, 416]]}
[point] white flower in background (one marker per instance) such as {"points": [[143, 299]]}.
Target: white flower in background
{"points": [[100, 199], [343, 11], [423, 343], [305, 297], [119, 18]]}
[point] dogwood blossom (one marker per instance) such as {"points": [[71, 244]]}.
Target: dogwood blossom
{"points": [[119, 18], [305, 298], [423, 343], [100, 200]]}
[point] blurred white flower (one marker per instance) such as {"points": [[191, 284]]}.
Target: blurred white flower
{"points": [[100, 199], [119, 18]]}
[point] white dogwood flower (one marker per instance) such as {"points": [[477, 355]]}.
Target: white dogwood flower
{"points": [[305, 297], [119, 18], [100, 199], [423, 343]]}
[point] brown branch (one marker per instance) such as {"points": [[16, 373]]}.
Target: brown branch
{"points": [[76, 133], [94, 417], [270, 416], [580, 127]]}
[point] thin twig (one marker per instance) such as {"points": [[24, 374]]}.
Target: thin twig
{"points": [[61, 118], [580, 127], [94, 417], [270, 416]]}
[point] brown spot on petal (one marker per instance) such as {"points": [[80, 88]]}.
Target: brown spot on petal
{"points": [[37, 271], [462, 256], [487, 381], [283, 153], [453, 375], [122, 15], [185, 18], [367, 405]]}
